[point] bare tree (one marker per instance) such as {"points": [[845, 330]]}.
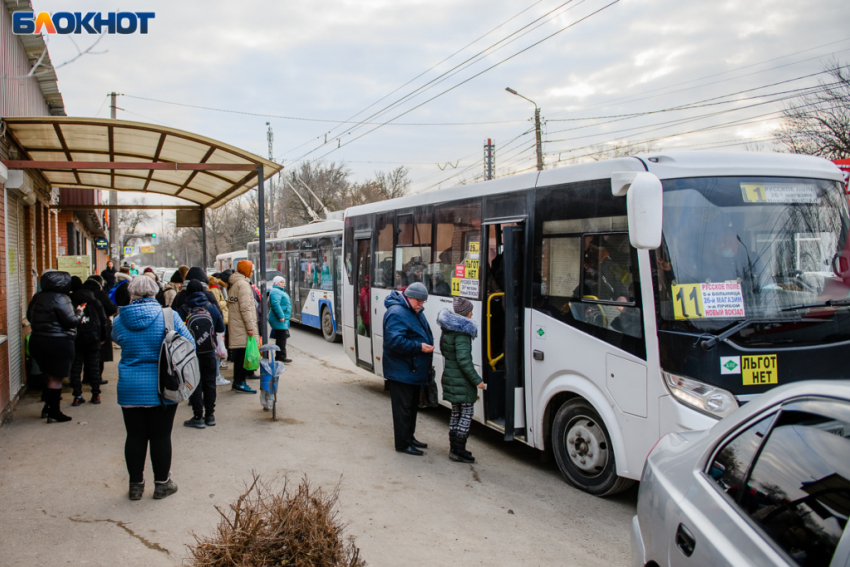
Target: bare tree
{"points": [[128, 220], [394, 183], [818, 122]]}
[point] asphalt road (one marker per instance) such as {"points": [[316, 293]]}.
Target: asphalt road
{"points": [[64, 486]]}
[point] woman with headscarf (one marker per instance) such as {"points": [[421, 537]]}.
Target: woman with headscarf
{"points": [[108, 276], [243, 322], [54, 323], [140, 329]]}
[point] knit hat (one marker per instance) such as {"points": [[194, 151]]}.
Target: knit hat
{"points": [[197, 274], [76, 283], [417, 290], [177, 277], [194, 286], [278, 280], [462, 307], [142, 287], [98, 279], [225, 276], [245, 267], [148, 269]]}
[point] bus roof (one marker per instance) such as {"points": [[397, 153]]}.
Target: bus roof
{"points": [[312, 229], [236, 254], [666, 165]]}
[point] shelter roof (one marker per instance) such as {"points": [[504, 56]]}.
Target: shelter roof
{"points": [[72, 152]]}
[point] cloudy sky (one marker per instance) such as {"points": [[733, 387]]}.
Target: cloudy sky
{"points": [[341, 69]]}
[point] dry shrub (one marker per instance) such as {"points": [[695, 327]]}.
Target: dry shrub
{"points": [[269, 525]]}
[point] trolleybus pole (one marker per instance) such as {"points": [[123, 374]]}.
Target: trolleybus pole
{"points": [[261, 280]]}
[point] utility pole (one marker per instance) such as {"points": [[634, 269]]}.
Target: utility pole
{"points": [[537, 131], [489, 159], [270, 137], [539, 138], [117, 251]]}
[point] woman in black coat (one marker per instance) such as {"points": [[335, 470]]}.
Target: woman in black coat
{"points": [[54, 325], [108, 276]]}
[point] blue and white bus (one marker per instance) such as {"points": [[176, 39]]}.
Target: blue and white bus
{"points": [[309, 257]]}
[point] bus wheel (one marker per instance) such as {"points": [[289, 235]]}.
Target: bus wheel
{"points": [[583, 450], [328, 326]]}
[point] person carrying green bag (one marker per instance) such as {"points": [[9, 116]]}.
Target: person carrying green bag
{"points": [[252, 355], [242, 325]]}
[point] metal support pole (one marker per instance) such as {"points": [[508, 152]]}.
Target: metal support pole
{"points": [[261, 279], [539, 138], [204, 237], [113, 200]]}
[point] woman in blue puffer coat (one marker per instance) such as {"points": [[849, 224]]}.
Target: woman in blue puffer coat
{"points": [[280, 310], [140, 329]]}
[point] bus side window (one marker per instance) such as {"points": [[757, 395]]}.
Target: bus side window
{"points": [[457, 242], [413, 250]]}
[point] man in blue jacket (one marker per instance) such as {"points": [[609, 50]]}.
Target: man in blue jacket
{"points": [[408, 348]]}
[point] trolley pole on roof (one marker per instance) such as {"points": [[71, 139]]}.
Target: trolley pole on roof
{"points": [[261, 279]]}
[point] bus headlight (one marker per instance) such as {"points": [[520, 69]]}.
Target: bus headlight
{"points": [[703, 397]]}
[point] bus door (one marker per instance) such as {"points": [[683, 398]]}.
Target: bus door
{"points": [[503, 322], [362, 292], [293, 284]]}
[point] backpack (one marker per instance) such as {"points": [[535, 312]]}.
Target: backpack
{"points": [[160, 296], [179, 372], [115, 289], [200, 324]]}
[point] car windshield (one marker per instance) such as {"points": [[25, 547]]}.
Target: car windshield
{"points": [[747, 248]]}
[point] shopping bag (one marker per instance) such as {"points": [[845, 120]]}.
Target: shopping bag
{"points": [[252, 355], [220, 349]]}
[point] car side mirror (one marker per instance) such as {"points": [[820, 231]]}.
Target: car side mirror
{"points": [[645, 205]]}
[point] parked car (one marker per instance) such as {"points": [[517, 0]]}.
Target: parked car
{"points": [[767, 485]]}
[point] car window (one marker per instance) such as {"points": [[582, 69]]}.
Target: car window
{"points": [[729, 467], [799, 487]]}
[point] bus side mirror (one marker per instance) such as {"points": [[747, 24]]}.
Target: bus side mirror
{"points": [[644, 202]]}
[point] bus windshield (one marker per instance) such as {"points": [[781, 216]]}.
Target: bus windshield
{"points": [[754, 249]]}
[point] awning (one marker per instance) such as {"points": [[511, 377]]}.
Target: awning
{"points": [[99, 153]]}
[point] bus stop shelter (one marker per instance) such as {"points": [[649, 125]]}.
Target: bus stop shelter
{"points": [[124, 156]]}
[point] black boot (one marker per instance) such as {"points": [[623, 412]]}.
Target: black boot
{"points": [[46, 408], [53, 412], [458, 450]]}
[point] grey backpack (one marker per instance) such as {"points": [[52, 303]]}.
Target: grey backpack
{"points": [[179, 373]]}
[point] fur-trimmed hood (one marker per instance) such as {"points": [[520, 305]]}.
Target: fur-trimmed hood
{"points": [[452, 322], [120, 277]]}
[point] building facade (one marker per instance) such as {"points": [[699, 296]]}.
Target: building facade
{"points": [[34, 232]]}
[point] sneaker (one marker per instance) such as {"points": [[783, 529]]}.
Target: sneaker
{"points": [[244, 388], [95, 399], [136, 490], [163, 489], [78, 401], [197, 422], [210, 420], [221, 380], [223, 365]]}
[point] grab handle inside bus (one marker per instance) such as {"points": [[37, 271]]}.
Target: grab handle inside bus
{"points": [[493, 361]]}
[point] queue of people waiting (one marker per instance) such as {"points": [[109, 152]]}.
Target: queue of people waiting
{"points": [[74, 324]]}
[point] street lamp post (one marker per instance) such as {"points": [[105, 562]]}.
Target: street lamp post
{"points": [[536, 128]]}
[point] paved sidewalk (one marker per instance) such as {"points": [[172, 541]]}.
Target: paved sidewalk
{"points": [[63, 486]]}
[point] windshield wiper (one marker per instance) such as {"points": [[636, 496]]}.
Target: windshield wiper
{"points": [[708, 343], [827, 303]]}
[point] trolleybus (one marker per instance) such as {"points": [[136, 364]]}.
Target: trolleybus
{"points": [[309, 257], [599, 331], [228, 260]]}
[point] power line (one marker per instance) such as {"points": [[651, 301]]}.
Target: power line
{"points": [[472, 77]]}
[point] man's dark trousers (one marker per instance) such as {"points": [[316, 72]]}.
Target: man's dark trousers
{"points": [[86, 355], [203, 398], [405, 401]]}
